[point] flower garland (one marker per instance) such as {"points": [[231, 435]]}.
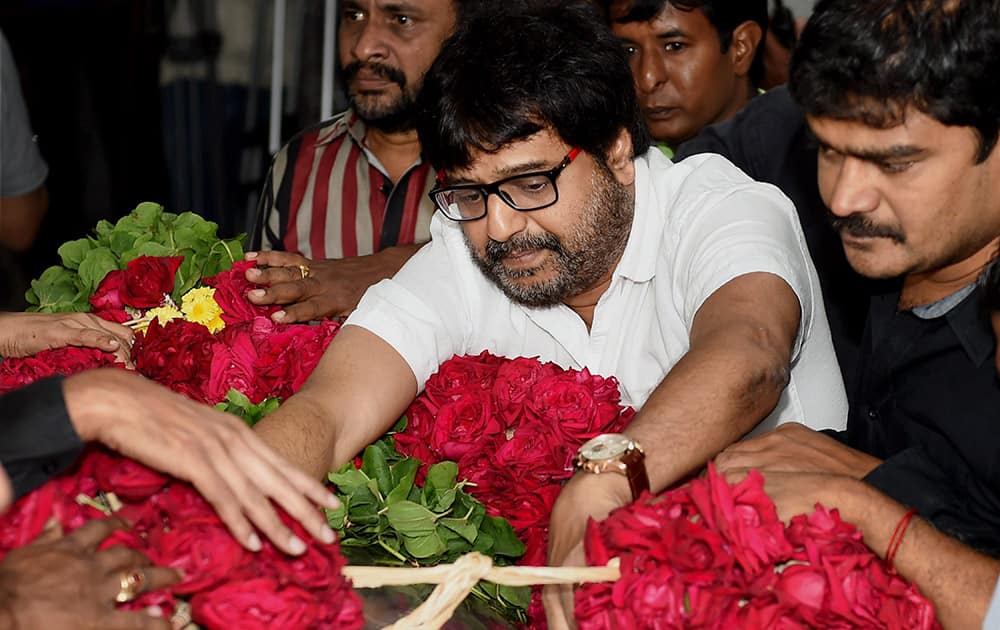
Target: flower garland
{"points": [[715, 556], [228, 586]]}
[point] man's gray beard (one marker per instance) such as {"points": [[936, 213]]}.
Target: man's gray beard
{"points": [[592, 248]]}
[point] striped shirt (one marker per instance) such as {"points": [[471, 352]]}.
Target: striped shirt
{"points": [[327, 196]]}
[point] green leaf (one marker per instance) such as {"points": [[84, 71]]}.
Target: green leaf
{"points": [[336, 517], [122, 241], [411, 519], [441, 500], [374, 464], [442, 475], [149, 248], [147, 214], [72, 253], [55, 287], [462, 527], [96, 264], [349, 480], [505, 541], [424, 546], [519, 596], [103, 231], [403, 475]]}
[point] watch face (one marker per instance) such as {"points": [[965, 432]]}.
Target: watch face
{"points": [[607, 446]]}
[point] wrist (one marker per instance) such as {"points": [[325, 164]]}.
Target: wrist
{"points": [[91, 398]]}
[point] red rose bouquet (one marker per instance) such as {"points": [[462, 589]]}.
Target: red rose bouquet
{"points": [[711, 555], [173, 526]]}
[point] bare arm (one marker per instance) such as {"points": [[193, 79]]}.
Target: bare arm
{"points": [[359, 389], [20, 218], [334, 287]]}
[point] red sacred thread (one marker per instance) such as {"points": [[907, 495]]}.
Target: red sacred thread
{"points": [[897, 536]]}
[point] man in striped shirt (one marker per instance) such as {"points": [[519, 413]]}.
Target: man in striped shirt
{"points": [[345, 204]]}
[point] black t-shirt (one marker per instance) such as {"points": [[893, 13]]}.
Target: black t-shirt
{"points": [[770, 141], [37, 438], [928, 404]]}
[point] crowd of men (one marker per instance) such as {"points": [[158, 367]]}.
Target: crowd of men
{"points": [[806, 288]]}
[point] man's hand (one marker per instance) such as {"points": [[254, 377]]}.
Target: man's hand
{"points": [[231, 467], [63, 582], [25, 334], [585, 496], [793, 447], [333, 287]]}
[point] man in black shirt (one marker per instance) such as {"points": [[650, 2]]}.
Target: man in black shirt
{"points": [[906, 130], [770, 141]]}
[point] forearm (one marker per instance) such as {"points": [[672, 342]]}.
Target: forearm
{"points": [[958, 580], [710, 399], [339, 411]]}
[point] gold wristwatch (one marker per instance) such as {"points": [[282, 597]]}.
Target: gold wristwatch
{"points": [[618, 453]]}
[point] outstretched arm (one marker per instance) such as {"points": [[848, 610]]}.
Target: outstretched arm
{"points": [[359, 389]]}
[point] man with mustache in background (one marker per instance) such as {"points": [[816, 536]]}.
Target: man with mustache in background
{"points": [[345, 204]]}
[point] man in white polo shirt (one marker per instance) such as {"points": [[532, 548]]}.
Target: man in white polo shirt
{"points": [[560, 235]]}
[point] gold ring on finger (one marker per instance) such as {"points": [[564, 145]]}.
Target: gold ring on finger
{"points": [[304, 270], [131, 585]]}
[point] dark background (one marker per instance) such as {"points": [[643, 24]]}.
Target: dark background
{"points": [[114, 134]]}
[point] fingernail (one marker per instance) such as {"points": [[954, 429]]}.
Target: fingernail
{"points": [[253, 542], [296, 546], [278, 316], [257, 293], [253, 273], [113, 343], [333, 502], [327, 535], [250, 256], [154, 611]]}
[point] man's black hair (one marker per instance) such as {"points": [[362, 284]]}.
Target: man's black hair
{"points": [[723, 15], [871, 60], [521, 67]]}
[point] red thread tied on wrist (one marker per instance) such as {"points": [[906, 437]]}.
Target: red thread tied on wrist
{"points": [[897, 536]]}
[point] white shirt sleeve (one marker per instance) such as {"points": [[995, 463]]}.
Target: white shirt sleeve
{"points": [[992, 620], [422, 311], [731, 230]]}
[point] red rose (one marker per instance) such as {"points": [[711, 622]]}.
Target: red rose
{"points": [[287, 354], [232, 366], [231, 288], [127, 478], [464, 424], [514, 380], [177, 354], [108, 294], [204, 550], [577, 405], [257, 604], [459, 375], [24, 521], [534, 451], [19, 372], [148, 278]]}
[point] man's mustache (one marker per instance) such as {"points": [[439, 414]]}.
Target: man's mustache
{"points": [[858, 226], [381, 70], [496, 251]]}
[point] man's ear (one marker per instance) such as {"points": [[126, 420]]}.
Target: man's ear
{"points": [[746, 39], [619, 158]]}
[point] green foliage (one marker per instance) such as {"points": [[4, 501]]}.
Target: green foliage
{"points": [[238, 404], [385, 518], [146, 231]]}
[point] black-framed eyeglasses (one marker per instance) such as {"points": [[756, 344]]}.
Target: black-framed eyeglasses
{"points": [[530, 191]]}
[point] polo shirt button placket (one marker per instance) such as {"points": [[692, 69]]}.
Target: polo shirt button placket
{"points": [[873, 414]]}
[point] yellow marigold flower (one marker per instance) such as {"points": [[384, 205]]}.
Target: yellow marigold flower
{"points": [[199, 306], [163, 313]]}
